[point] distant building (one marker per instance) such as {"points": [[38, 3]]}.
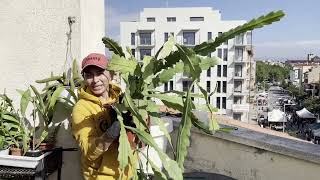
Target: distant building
{"points": [[233, 78], [299, 75], [312, 80]]}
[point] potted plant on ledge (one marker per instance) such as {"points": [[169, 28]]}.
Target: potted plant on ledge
{"points": [[141, 82]]}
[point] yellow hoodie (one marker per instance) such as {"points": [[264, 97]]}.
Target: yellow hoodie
{"points": [[89, 118]]}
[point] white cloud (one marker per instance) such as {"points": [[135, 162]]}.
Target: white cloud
{"points": [[287, 49]]}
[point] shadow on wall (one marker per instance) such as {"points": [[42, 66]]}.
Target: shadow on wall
{"points": [[71, 165], [205, 176]]}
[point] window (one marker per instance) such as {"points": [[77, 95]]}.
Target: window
{"points": [[209, 72], [224, 86], [237, 116], [189, 38], [209, 36], [218, 103], [151, 19], [219, 71], [144, 52], [237, 86], [209, 55], [237, 100], [166, 36], [171, 85], [133, 39], [208, 86], [145, 38], [225, 69], [196, 18], [224, 103], [219, 86], [238, 54], [186, 85], [133, 52], [220, 53], [168, 86], [171, 19], [238, 71], [249, 37], [239, 39], [225, 54]]}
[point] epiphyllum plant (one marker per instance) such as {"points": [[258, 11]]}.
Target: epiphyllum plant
{"points": [[141, 82]]}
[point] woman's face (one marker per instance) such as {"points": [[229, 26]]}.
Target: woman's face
{"points": [[97, 80]]}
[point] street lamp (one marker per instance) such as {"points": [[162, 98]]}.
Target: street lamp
{"points": [[284, 110]]}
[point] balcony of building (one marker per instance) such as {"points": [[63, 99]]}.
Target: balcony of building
{"points": [[240, 107], [239, 75], [146, 39], [248, 152]]}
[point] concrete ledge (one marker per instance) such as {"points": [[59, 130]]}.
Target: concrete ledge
{"points": [[266, 142]]}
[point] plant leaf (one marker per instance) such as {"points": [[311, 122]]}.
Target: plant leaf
{"points": [[206, 63], [191, 60], [39, 99], [213, 124], [166, 49], [122, 65], [43, 136], [208, 47], [124, 145], [9, 118], [157, 171], [133, 109], [183, 141], [170, 166], [113, 46], [55, 96], [174, 102], [24, 101], [53, 78]]}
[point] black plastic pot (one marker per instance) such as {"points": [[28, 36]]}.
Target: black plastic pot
{"points": [[33, 153]]}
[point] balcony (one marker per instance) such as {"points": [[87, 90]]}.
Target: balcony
{"points": [[239, 59], [238, 75], [146, 39], [249, 152], [240, 92], [240, 107]]}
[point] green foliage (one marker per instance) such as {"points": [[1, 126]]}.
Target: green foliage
{"points": [[272, 73], [207, 47], [141, 83], [113, 46], [184, 131], [12, 125], [312, 104]]}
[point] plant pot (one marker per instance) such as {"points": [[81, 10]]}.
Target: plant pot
{"points": [[33, 153], [4, 151], [16, 151], [161, 141], [46, 146]]}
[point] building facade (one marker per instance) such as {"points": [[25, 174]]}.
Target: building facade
{"points": [[231, 78]]}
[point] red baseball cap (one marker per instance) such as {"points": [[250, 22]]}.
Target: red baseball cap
{"points": [[95, 59]]}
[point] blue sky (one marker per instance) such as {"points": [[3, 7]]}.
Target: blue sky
{"points": [[297, 34]]}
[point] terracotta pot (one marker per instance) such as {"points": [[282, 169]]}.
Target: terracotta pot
{"points": [[46, 146], [16, 151]]}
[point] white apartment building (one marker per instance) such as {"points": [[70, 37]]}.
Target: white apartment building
{"points": [[191, 26]]}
